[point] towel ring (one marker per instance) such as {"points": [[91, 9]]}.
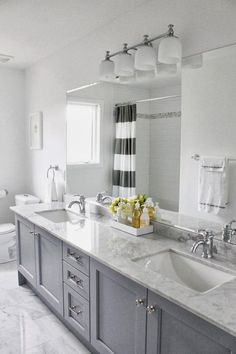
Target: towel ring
{"points": [[195, 157], [53, 169]]}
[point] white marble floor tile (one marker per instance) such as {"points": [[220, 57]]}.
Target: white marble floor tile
{"points": [[27, 326], [60, 346]]}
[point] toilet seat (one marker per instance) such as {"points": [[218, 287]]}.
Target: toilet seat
{"points": [[6, 229]]}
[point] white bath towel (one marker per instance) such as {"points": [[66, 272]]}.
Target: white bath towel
{"points": [[213, 184], [51, 192]]}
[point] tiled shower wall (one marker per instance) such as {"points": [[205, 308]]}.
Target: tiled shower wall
{"points": [[158, 150]]}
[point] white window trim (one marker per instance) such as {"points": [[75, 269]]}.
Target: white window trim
{"points": [[100, 103]]}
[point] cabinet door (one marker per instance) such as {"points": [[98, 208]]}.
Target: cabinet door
{"points": [[49, 268], [118, 325], [26, 249], [77, 311], [173, 330]]}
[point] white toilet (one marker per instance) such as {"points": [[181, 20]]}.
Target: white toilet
{"points": [[8, 232]]}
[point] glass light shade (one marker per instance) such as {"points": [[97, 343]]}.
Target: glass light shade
{"points": [[170, 50], [166, 69], [145, 58], [124, 65], [106, 69]]}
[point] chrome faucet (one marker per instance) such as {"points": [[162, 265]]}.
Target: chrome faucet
{"points": [[103, 199], [80, 202], [207, 243], [228, 232]]}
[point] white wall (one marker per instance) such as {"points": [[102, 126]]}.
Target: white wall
{"points": [[208, 125], [12, 138]]}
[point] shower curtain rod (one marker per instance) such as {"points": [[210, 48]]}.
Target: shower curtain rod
{"points": [[147, 100]]}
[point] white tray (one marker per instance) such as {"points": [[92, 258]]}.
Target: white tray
{"points": [[132, 230]]}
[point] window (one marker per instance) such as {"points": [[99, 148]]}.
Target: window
{"points": [[83, 133]]}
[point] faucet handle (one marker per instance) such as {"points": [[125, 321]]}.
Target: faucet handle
{"points": [[228, 231], [230, 225], [206, 234], [99, 196]]}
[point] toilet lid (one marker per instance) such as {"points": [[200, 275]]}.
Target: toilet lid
{"points": [[6, 228]]}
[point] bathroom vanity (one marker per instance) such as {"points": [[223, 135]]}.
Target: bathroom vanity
{"points": [[97, 281]]}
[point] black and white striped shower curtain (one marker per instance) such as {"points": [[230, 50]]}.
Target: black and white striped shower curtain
{"points": [[125, 150]]}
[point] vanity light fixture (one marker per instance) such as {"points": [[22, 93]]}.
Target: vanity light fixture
{"points": [[170, 49], [124, 66], [145, 56], [106, 68], [170, 52]]}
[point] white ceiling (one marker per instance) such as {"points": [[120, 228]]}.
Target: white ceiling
{"points": [[33, 29]]}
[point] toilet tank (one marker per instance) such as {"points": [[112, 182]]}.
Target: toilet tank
{"points": [[26, 199]]}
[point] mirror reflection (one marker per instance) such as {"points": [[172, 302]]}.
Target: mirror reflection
{"points": [[170, 136], [125, 137]]}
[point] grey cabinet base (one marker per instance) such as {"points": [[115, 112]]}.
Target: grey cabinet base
{"points": [[173, 330], [59, 316], [25, 242], [114, 307], [118, 324], [21, 279], [49, 268]]}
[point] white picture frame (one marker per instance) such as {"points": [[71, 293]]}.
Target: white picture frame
{"points": [[36, 131]]}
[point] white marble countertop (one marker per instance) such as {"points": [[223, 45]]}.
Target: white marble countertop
{"points": [[116, 249]]}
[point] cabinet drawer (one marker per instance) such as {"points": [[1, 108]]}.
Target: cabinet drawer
{"points": [[76, 258], [76, 311], [76, 280]]}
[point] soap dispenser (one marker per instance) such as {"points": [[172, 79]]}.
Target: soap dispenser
{"points": [[144, 219], [136, 216], [157, 212]]}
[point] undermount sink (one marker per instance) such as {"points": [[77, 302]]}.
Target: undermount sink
{"points": [[60, 215], [184, 270]]}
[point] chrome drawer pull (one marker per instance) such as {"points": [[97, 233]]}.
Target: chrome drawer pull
{"points": [[75, 258], [78, 283], [79, 259], [150, 309], [139, 302], [32, 232], [72, 309]]}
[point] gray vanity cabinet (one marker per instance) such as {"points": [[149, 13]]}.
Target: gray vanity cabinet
{"points": [[26, 249], [49, 268], [118, 325], [111, 312], [173, 330]]}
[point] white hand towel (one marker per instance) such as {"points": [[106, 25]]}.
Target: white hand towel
{"points": [[213, 184], [51, 193]]}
